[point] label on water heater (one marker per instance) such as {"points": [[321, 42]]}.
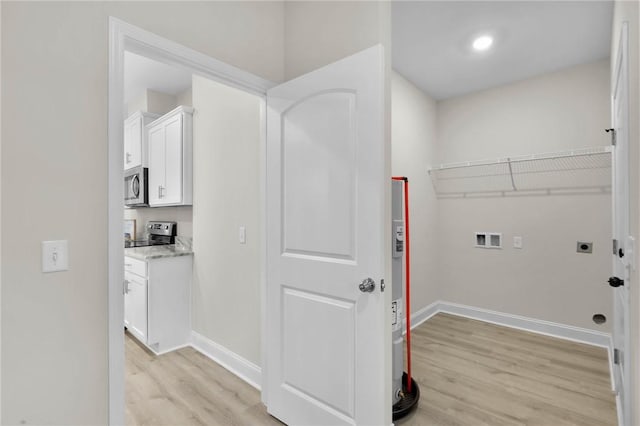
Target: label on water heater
{"points": [[398, 238], [396, 315]]}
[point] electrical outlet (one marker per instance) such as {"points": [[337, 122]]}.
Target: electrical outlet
{"points": [[55, 256]]}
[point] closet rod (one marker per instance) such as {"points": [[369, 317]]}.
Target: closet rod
{"points": [[533, 157]]}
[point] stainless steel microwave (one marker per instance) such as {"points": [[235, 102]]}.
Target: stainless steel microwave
{"points": [[136, 187]]}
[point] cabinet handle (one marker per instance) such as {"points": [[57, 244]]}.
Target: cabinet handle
{"points": [[159, 191], [128, 157], [125, 288]]}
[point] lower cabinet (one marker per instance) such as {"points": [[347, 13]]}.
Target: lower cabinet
{"points": [[135, 306], [157, 300]]}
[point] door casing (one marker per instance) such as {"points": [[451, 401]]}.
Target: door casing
{"points": [[621, 267]]}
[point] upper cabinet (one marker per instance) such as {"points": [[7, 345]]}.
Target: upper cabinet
{"points": [[135, 137], [170, 158]]}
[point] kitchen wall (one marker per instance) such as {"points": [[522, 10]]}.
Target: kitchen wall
{"points": [[54, 106], [185, 98], [413, 125], [630, 12], [226, 306], [160, 103], [183, 215], [546, 279]]}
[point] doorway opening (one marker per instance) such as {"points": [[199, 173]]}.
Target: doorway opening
{"points": [[189, 131], [511, 128]]}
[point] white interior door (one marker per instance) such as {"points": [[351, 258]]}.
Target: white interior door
{"points": [[326, 188], [622, 256]]}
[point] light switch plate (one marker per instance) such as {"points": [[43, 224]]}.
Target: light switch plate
{"points": [[242, 235], [55, 256]]}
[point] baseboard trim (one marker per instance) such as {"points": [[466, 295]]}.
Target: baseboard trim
{"points": [[422, 315], [241, 367], [252, 374], [547, 328]]}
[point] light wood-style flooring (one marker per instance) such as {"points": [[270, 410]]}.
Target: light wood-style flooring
{"points": [[470, 373], [475, 373], [186, 388]]}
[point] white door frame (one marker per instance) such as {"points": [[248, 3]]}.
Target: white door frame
{"points": [[621, 64], [124, 36]]}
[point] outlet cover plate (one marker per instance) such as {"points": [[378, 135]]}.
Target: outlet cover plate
{"points": [[517, 242], [584, 247]]}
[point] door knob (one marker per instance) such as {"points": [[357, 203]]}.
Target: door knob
{"points": [[367, 285], [615, 282]]}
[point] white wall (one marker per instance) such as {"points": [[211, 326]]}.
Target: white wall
{"points": [[630, 12], [183, 215], [319, 32], [226, 306], [546, 279], [413, 125], [185, 98], [54, 106]]}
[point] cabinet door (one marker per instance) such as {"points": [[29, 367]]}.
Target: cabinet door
{"points": [[133, 142], [127, 301], [157, 158], [127, 144], [172, 190], [136, 142], [138, 307]]}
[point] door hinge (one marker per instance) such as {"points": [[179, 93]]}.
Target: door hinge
{"points": [[615, 247], [617, 356], [613, 135]]}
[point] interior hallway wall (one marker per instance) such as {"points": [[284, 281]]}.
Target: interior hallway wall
{"points": [[226, 305], [546, 279], [413, 125], [54, 106]]}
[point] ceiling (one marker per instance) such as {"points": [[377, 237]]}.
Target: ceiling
{"points": [[141, 73], [432, 41]]}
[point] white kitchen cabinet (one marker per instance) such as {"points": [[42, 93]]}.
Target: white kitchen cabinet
{"points": [[170, 158], [135, 139], [157, 305], [135, 306]]}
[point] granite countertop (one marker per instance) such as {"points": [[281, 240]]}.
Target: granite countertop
{"points": [[156, 252]]}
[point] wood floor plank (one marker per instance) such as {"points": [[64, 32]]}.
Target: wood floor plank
{"points": [[470, 373]]}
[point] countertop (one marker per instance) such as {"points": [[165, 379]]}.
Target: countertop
{"points": [[157, 252]]}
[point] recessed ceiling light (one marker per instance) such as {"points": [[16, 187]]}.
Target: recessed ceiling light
{"points": [[482, 43]]}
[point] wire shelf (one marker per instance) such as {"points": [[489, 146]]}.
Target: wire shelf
{"points": [[584, 169]]}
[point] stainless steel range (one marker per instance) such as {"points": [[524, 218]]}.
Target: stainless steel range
{"points": [[158, 234]]}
